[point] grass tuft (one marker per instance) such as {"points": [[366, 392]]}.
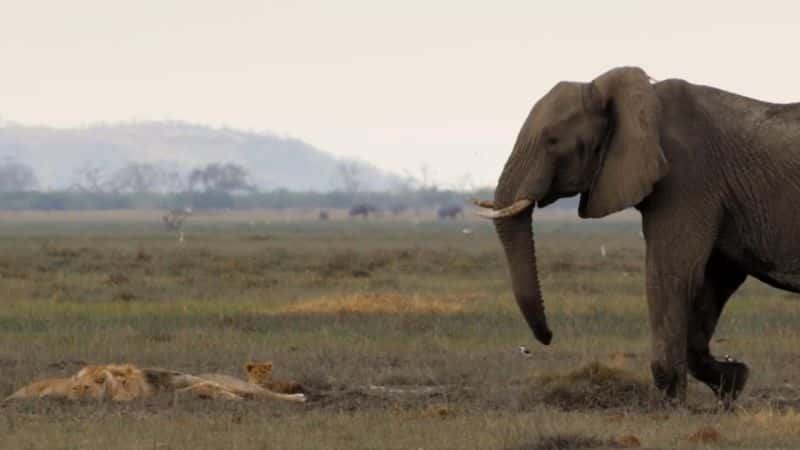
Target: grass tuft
{"points": [[595, 386], [561, 442]]}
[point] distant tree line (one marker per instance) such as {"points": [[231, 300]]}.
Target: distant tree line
{"points": [[147, 178], [389, 202], [213, 186]]}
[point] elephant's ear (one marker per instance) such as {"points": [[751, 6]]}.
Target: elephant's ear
{"points": [[633, 160]]}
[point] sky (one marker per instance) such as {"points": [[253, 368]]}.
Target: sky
{"points": [[442, 84]]}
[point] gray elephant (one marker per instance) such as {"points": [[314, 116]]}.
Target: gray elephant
{"points": [[450, 212], [715, 176], [363, 210]]}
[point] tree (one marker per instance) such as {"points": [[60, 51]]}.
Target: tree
{"points": [[217, 177], [16, 177], [139, 178], [91, 178], [349, 172]]}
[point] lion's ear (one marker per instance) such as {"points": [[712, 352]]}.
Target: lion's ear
{"points": [[268, 365], [249, 366]]}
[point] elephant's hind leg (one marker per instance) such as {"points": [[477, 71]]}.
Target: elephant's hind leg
{"points": [[725, 378]]}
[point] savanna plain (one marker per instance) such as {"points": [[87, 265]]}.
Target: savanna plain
{"points": [[403, 330]]}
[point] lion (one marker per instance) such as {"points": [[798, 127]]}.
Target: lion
{"points": [[128, 381], [50, 387], [98, 384], [125, 382], [211, 390], [249, 390], [260, 373], [214, 386]]}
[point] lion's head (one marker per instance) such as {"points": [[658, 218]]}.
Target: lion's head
{"points": [[123, 382], [258, 372], [131, 382], [92, 383]]}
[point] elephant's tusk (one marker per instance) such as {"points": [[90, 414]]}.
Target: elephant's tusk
{"points": [[482, 203], [508, 211]]}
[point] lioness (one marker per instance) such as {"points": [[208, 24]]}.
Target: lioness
{"points": [[214, 385], [94, 385]]}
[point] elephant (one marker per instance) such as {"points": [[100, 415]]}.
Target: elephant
{"points": [[715, 177], [363, 210], [450, 212]]}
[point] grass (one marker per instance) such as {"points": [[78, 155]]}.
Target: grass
{"points": [[405, 330]]}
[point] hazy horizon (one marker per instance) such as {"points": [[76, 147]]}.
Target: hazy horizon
{"points": [[444, 84]]}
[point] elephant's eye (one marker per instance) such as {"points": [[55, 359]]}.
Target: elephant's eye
{"points": [[551, 140]]}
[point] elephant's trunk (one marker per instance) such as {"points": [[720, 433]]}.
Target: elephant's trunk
{"points": [[516, 235]]}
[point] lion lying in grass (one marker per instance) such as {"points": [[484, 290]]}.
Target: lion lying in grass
{"points": [[125, 382], [260, 373], [109, 382]]}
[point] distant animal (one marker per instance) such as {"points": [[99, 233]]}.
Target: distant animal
{"points": [[363, 210], [323, 215], [450, 212], [173, 219], [260, 373], [397, 209], [715, 177]]}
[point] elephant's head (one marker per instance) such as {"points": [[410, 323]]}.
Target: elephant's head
{"points": [[598, 139]]}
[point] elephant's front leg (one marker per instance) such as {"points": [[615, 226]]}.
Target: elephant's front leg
{"points": [[669, 328], [672, 279]]}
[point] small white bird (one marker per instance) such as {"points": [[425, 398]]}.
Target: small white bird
{"points": [[525, 352]]}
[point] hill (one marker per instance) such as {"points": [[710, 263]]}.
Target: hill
{"points": [[56, 155]]}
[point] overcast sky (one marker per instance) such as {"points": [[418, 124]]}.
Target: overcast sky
{"points": [[445, 83]]}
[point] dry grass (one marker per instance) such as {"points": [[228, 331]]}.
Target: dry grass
{"points": [[379, 304], [596, 386], [561, 442], [421, 311]]}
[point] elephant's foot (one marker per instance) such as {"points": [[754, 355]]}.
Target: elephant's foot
{"points": [[726, 378], [731, 380], [670, 380]]}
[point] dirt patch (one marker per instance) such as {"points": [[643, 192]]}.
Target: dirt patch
{"points": [[379, 303], [705, 435], [626, 441], [349, 400], [596, 386]]}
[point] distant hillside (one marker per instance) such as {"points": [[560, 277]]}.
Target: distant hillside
{"points": [[273, 161]]}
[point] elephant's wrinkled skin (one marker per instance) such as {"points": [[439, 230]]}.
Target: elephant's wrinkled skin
{"points": [[716, 177]]}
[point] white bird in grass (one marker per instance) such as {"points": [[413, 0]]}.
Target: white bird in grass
{"points": [[525, 352]]}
